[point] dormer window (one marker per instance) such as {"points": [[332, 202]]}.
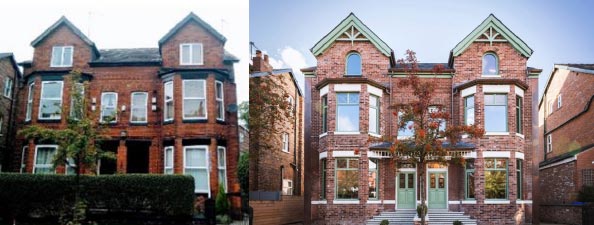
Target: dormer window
{"points": [[62, 56], [191, 54], [490, 64], [353, 64]]}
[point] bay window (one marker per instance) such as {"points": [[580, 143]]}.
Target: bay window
{"points": [[222, 166], [519, 114], [347, 178], [168, 160], [50, 107], [469, 180], [168, 108], [374, 114], [374, 179], [469, 110], [30, 102], [496, 178], [347, 112], [405, 131], [44, 155], [519, 179], [194, 95], [324, 114], [220, 100]]}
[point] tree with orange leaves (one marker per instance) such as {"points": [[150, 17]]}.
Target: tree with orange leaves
{"points": [[422, 116]]}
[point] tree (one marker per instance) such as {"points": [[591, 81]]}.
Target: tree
{"points": [[427, 143], [78, 143], [244, 113], [268, 108]]}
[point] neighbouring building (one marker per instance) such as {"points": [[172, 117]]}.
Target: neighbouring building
{"points": [[276, 170], [486, 82], [566, 142], [174, 105], [10, 76], [244, 139]]}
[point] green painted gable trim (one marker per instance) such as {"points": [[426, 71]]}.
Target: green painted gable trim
{"points": [[350, 20], [492, 21]]}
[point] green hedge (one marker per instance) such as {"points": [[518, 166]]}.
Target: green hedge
{"points": [[48, 195]]}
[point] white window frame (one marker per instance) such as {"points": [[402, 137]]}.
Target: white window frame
{"points": [[82, 94], [376, 129], [35, 166], [194, 98], [551, 108], [165, 167], [221, 100], [287, 187], [206, 167], [165, 101], [145, 107], [285, 142], [62, 56], [41, 98], [29, 112], [224, 166], [103, 107], [24, 155], [8, 87], [191, 56], [559, 101], [549, 143]]}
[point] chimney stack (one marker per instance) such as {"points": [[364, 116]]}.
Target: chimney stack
{"points": [[261, 64]]}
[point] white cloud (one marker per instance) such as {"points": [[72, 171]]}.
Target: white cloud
{"points": [[296, 61]]}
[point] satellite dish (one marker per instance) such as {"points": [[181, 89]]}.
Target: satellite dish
{"points": [[232, 108]]}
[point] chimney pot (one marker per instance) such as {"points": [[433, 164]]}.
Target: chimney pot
{"points": [[265, 58], [258, 53]]}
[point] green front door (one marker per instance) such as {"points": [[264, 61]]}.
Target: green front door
{"points": [[406, 190], [437, 190]]}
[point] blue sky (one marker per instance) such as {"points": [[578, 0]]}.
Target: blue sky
{"points": [[558, 32]]}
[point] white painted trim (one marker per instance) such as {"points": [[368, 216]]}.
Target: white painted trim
{"points": [[519, 155], [468, 201], [165, 159], [519, 91], [389, 201], [520, 135], [374, 91], [206, 148], [165, 84], [374, 202], [559, 163], [375, 135], [324, 90], [346, 202], [496, 154], [468, 91], [495, 88], [347, 133], [471, 155], [497, 202], [336, 154], [324, 134], [407, 170], [529, 202], [497, 133], [321, 202], [323, 155], [222, 99], [347, 87], [454, 202]]}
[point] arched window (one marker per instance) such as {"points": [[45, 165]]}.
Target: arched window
{"points": [[353, 64], [490, 64]]}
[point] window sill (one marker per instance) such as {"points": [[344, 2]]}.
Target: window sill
{"points": [[346, 133], [49, 120], [195, 120], [323, 135], [389, 201], [60, 66], [285, 151], [321, 202], [524, 201], [138, 123], [353, 75], [375, 135], [374, 201], [497, 202], [488, 75], [8, 97], [168, 122], [520, 135], [468, 201], [346, 202], [404, 137], [497, 133]]}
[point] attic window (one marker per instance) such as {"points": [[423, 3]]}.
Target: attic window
{"points": [[62, 56], [353, 64], [490, 64], [191, 54]]}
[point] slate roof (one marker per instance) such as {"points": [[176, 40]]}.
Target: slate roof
{"points": [[10, 56], [459, 145], [580, 66], [128, 55], [5, 54], [188, 18], [230, 57]]}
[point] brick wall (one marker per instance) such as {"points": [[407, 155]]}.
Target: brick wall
{"points": [[278, 212], [6, 104]]}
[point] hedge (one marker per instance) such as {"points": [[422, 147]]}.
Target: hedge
{"points": [[49, 195]]}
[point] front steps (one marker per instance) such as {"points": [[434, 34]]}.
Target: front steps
{"points": [[436, 217]]}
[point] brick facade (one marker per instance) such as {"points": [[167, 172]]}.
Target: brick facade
{"points": [[9, 79], [565, 165], [140, 147], [380, 77]]}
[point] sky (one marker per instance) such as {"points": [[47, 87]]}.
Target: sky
{"points": [[557, 31], [126, 24]]}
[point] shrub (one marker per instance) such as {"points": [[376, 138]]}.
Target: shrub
{"points": [[457, 222], [48, 195], [224, 219], [385, 222], [222, 203], [421, 210]]}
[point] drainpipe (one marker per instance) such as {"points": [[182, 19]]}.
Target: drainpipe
{"points": [[296, 176]]}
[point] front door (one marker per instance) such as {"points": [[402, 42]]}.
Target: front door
{"points": [[437, 190], [406, 190]]}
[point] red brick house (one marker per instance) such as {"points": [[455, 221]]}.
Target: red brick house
{"points": [[276, 171], [485, 82], [174, 106], [10, 76], [566, 141]]}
